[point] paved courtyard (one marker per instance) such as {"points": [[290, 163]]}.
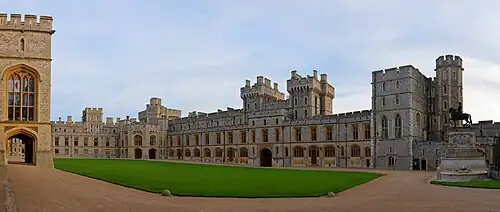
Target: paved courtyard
{"points": [[52, 190]]}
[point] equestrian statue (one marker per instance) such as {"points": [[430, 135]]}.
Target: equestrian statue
{"points": [[458, 115]]}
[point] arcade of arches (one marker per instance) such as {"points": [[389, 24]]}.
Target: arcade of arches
{"points": [[319, 155]]}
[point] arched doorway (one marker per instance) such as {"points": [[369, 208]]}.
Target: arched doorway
{"points": [[314, 154], [230, 154], [152, 153], [138, 153], [266, 158], [21, 149], [423, 164]]}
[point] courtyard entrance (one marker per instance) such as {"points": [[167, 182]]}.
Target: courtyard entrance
{"points": [[21, 149], [423, 165], [266, 158], [138, 153]]}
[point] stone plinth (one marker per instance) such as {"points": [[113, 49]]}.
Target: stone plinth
{"points": [[463, 162]]}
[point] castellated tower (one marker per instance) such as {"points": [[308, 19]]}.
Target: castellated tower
{"points": [[310, 96], [448, 90], [256, 95], [25, 65], [398, 115], [92, 119]]}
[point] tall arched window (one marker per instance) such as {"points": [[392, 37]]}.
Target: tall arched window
{"points": [[21, 96], [385, 130], [418, 119], [397, 126], [152, 140]]}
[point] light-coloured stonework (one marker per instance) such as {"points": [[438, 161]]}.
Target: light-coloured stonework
{"points": [[404, 129], [25, 47]]}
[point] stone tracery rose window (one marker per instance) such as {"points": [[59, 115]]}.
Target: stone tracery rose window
{"points": [[21, 96]]}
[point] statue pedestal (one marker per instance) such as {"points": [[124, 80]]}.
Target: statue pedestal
{"points": [[463, 161]]}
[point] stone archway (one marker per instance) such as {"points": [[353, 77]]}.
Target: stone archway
{"points": [[152, 153], [28, 149], [138, 153], [28, 141], [266, 158]]}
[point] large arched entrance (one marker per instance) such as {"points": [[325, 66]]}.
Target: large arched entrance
{"points": [[21, 149], [266, 158], [152, 153], [138, 153]]}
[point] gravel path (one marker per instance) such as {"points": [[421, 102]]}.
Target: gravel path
{"points": [[38, 189]]}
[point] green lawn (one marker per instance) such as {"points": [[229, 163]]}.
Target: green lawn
{"points": [[492, 184], [215, 181]]}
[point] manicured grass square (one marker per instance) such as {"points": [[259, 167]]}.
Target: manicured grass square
{"points": [[492, 184], [214, 181]]}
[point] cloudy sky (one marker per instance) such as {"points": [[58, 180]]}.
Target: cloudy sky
{"points": [[195, 55]]}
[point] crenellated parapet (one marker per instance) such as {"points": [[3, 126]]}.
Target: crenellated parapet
{"points": [[395, 73], [448, 60], [261, 88], [29, 23], [340, 118]]}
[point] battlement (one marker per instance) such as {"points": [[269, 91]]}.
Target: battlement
{"points": [[93, 110], [395, 73], [261, 87], [29, 22], [448, 60], [298, 82]]}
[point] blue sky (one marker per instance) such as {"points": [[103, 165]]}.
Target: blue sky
{"points": [[195, 55]]}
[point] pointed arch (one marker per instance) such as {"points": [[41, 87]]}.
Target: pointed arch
{"points": [[22, 93], [385, 127], [355, 150]]}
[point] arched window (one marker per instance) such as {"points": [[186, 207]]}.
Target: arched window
{"points": [[298, 151], [305, 113], [445, 104], [21, 44], [21, 96], [385, 130], [295, 101], [383, 86], [397, 126], [305, 100], [368, 152], [355, 151], [137, 140], [397, 83], [295, 115], [396, 100], [329, 151], [152, 140], [418, 119], [243, 152]]}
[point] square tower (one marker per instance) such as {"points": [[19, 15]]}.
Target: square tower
{"points": [[25, 63]]}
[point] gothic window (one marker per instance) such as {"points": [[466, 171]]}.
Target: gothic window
{"points": [[383, 86], [152, 140], [329, 151], [397, 126], [305, 101], [295, 101], [445, 104], [355, 151], [137, 140], [396, 100], [21, 96], [298, 151], [383, 101], [397, 83], [385, 130]]}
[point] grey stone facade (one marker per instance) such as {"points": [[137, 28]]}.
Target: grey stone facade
{"points": [[404, 128]]}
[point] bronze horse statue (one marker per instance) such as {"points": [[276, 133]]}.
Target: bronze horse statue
{"points": [[457, 115]]}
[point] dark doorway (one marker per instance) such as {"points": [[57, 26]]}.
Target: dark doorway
{"points": [[416, 164], [314, 153], [230, 155], [138, 153], [21, 150], [152, 153], [423, 165], [368, 164], [266, 158]]}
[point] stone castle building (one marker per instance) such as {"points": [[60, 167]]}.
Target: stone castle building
{"points": [[405, 128], [25, 65]]}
